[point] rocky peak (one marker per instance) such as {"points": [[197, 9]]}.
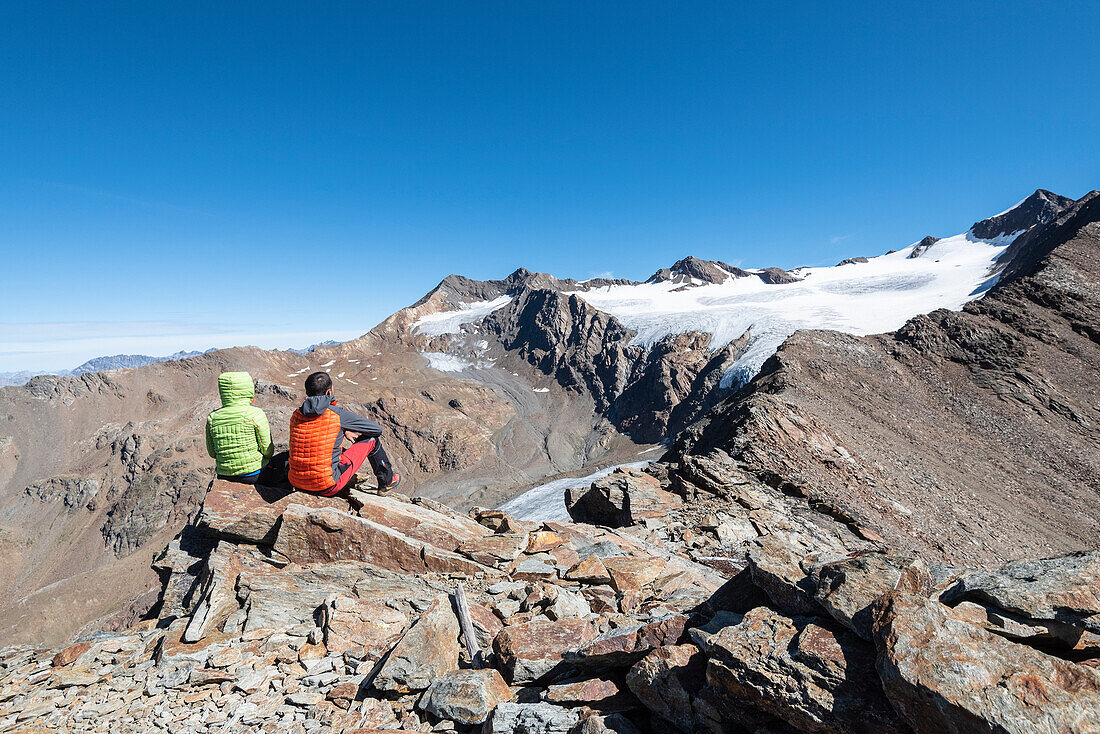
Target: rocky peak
{"points": [[1039, 208], [707, 271], [922, 246]]}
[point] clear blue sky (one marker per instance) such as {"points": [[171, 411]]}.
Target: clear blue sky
{"points": [[194, 174]]}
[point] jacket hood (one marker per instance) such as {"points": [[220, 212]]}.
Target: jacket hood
{"points": [[236, 388], [317, 404]]}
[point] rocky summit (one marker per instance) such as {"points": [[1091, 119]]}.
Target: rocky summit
{"points": [[689, 597]]}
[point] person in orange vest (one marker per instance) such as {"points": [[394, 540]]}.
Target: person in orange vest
{"points": [[317, 464]]}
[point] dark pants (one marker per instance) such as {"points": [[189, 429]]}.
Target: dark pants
{"points": [[243, 478]]}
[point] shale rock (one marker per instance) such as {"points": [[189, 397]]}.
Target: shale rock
{"points": [[466, 696], [623, 647], [1064, 589], [667, 681], [622, 498], [847, 588], [426, 652], [801, 670], [250, 513], [944, 674], [532, 651], [531, 718]]}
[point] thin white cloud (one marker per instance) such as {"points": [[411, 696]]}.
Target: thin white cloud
{"points": [[63, 345]]}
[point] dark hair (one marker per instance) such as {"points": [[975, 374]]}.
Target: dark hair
{"points": [[318, 383]]}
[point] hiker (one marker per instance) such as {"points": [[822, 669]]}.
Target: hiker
{"points": [[237, 434], [317, 429]]}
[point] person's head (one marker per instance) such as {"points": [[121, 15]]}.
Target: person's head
{"points": [[319, 383]]}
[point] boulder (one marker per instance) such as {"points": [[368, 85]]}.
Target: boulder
{"points": [[847, 588], [250, 513], [589, 570], [1031, 631], [622, 498], [365, 629], [494, 550], [465, 696], [1064, 589], [318, 535], [533, 650], [631, 573], [806, 671], [943, 674], [776, 567], [426, 652], [622, 647], [530, 718], [610, 724], [667, 681], [602, 693]]}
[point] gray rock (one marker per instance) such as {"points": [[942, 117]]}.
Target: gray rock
{"points": [[465, 696], [530, 718]]}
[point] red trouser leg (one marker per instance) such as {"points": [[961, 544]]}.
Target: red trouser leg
{"points": [[350, 460]]}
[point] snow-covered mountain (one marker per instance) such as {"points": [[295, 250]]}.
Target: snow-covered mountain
{"points": [[760, 308]]}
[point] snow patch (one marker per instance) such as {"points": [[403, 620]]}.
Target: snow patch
{"points": [[329, 364], [546, 503], [450, 322], [877, 296], [441, 362], [541, 389]]}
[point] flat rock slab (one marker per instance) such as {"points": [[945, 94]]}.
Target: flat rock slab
{"points": [[445, 531], [309, 535], [250, 513], [1065, 589]]}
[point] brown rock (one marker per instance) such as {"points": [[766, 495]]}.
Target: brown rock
{"points": [[427, 651], [542, 541], [69, 655], [441, 530], [847, 588], [622, 498], [486, 625], [366, 628], [590, 570], [803, 670], [667, 681], [493, 550], [623, 647], [250, 513], [309, 536], [529, 652], [600, 693], [944, 674], [343, 695], [631, 573]]}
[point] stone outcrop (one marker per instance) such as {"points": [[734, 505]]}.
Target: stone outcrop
{"points": [[739, 607]]}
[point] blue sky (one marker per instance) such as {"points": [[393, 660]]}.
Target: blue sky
{"points": [[199, 174]]}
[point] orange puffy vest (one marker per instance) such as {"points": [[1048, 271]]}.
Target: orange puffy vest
{"points": [[312, 443]]}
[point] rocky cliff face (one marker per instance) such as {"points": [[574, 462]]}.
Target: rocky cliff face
{"points": [[968, 437]]}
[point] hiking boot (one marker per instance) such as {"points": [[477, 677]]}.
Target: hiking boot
{"points": [[393, 483]]}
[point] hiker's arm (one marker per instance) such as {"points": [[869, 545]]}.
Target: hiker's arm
{"points": [[210, 441], [356, 423], [263, 435]]}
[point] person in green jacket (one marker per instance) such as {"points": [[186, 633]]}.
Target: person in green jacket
{"points": [[237, 434]]}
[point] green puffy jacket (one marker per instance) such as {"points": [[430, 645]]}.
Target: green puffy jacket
{"points": [[237, 434]]}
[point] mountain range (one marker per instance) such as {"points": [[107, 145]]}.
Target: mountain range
{"points": [[944, 396]]}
